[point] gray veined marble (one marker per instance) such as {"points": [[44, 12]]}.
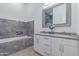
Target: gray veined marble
{"points": [[12, 29], [11, 47]]}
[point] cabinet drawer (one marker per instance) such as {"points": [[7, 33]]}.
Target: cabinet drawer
{"points": [[70, 51], [45, 48], [47, 40], [73, 43], [45, 51]]}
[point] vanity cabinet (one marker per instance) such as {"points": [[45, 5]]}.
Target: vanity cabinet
{"points": [[36, 43], [65, 47], [42, 44], [46, 43], [52, 46]]}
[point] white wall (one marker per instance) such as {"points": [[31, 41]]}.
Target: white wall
{"points": [[38, 19], [28, 12], [23, 12], [71, 29], [20, 12], [77, 18]]}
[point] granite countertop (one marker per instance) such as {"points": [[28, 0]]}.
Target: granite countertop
{"points": [[13, 39], [74, 37]]}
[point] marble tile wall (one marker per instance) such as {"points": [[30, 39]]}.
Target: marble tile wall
{"points": [[11, 28]]}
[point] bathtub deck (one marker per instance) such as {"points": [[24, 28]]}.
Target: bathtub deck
{"points": [[26, 52], [13, 39]]}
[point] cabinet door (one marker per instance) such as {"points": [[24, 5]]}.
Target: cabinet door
{"points": [[56, 46], [69, 51], [36, 42], [53, 47], [70, 47], [45, 45], [45, 49]]}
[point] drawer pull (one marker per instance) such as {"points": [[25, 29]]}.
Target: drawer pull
{"points": [[46, 38], [46, 44]]}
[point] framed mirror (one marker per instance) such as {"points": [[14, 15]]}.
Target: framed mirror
{"points": [[58, 14], [62, 14]]}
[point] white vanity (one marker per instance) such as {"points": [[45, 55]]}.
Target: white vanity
{"points": [[63, 17], [55, 45]]}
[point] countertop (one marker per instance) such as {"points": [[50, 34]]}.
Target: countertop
{"points": [[74, 37]]}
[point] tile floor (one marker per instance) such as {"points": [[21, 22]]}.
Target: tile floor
{"points": [[26, 52]]}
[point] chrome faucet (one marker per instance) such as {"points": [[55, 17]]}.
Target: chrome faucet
{"points": [[51, 27]]}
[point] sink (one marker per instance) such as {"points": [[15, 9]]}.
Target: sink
{"points": [[50, 32]]}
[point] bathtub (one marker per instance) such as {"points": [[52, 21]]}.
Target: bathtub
{"points": [[12, 45]]}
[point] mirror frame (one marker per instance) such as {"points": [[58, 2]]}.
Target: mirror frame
{"points": [[68, 15], [43, 16]]}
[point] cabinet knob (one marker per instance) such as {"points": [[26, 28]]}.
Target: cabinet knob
{"points": [[61, 48]]}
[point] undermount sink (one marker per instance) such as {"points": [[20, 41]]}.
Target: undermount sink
{"points": [[51, 33]]}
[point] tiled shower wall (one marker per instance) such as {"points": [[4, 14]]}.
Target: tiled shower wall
{"points": [[11, 28]]}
